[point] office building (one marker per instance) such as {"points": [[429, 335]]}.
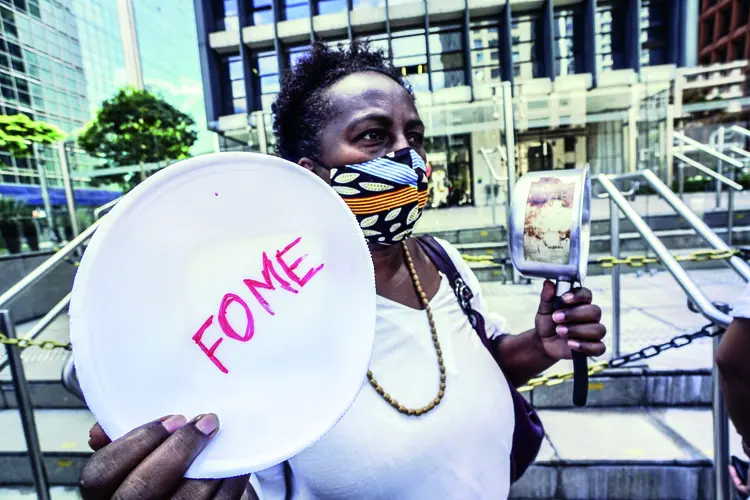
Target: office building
{"points": [[591, 79], [724, 31], [59, 59]]}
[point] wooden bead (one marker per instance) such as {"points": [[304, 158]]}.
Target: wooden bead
{"points": [[425, 301]]}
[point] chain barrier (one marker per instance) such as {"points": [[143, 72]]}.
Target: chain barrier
{"points": [[676, 342], [634, 260], [48, 345], [708, 331]]}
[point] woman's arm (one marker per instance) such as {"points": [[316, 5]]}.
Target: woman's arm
{"points": [[557, 333], [522, 357]]}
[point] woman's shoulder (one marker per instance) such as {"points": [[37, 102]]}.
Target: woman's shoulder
{"points": [[456, 258]]}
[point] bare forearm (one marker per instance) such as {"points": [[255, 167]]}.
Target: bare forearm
{"points": [[732, 360], [522, 357]]}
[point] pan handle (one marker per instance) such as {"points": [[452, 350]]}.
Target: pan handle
{"points": [[580, 361]]}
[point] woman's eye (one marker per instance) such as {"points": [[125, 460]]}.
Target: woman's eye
{"points": [[373, 135]]}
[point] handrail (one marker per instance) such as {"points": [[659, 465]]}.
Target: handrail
{"points": [[706, 149], [634, 185], [740, 130], [99, 210], [739, 265], [740, 151], [676, 270], [493, 172], [48, 264], [719, 177]]}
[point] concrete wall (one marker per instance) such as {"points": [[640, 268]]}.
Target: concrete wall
{"points": [[37, 300]]}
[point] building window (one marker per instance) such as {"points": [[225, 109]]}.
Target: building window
{"points": [[379, 41], [235, 91], [331, 6], [267, 71], [447, 57], [563, 33], [226, 15], [708, 31], [485, 53], [604, 58], [261, 12], [368, 3], [524, 34], [296, 9], [295, 54], [653, 33], [410, 58]]}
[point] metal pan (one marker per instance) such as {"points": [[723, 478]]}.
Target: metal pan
{"points": [[550, 227]]}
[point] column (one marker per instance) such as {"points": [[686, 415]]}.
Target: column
{"points": [[506, 44], [205, 21]]}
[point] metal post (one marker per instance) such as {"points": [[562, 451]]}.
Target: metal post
{"points": [[721, 434], [720, 167], [67, 184], [510, 151], [614, 221], [45, 192], [721, 428], [21, 388], [681, 180], [730, 208]]}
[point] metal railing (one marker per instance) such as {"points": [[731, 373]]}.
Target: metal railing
{"points": [[18, 377], [716, 315]]}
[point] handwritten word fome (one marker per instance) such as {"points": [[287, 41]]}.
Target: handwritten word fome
{"points": [[286, 280]]}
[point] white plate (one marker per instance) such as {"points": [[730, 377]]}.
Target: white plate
{"points": [[162, 263]]}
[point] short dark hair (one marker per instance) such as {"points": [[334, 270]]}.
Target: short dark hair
{"points": [[301, 109]]}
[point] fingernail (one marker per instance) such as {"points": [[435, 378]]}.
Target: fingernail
{"points": [[207, 423], [174, 422], [573, 344], [558, 316], [562, 330], [568, 297]]}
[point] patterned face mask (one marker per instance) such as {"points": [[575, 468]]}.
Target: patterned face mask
{"points": [[387, 195]]}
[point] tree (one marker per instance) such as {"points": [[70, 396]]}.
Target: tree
{"points": [[136, 127], [18, 133]]}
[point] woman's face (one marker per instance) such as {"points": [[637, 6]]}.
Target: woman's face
{"points": [[372, 115]]}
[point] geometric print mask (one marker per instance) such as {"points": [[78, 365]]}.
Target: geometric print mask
{"points": [[387, 195]]}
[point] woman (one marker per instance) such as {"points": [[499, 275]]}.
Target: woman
{"points": [[416, 430], [731, 359]]}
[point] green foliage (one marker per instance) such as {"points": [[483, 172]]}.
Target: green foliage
{"points": [[136, 127], [11, 209], [19, 132]]}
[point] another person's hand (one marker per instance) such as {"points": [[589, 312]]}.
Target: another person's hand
{"points": [[743, 489], [150, 461], [575, 327]]}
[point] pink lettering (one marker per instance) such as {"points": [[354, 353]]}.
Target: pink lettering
{"points": [[289, 269], [268, 271], [224, 323], [209, 351]]}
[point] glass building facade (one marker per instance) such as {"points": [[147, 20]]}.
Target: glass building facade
{"points": [[460, 56], [59, 59]]}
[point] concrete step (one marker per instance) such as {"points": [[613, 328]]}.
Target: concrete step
{"points": [[624, 454], [617, 453]]}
